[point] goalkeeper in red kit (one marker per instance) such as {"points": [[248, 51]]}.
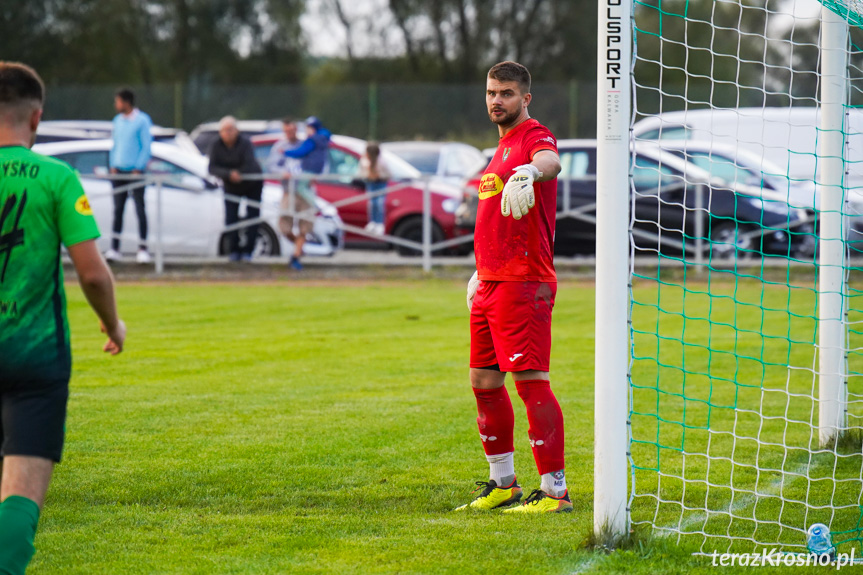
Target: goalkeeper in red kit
{"points": [[511, 296]]}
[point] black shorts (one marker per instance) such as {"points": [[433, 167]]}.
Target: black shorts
{"points": [[33, 418]]}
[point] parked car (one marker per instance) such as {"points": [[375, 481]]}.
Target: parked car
{"points": [[785, 136], [193, 212], [739, 165], [65, 130], [203, 135], [403, 209], [451, 162], [739, 217], [729, 162]]}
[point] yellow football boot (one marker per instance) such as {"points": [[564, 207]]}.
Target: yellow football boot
{"points": [[493, 496], [541, 502]]}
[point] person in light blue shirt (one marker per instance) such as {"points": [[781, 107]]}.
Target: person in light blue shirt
{"points": [[129, 156]]}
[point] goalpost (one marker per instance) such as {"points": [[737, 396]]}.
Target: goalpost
{"points": [[729, 351]]}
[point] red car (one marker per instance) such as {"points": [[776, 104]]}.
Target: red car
{"points": [[404, 206]]}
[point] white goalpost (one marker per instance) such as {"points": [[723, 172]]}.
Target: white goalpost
{"points": [[831, 277], [611, 516], [729, 339]]}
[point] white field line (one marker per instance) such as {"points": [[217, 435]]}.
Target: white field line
{"points": [[745, 501], [587, 565]]}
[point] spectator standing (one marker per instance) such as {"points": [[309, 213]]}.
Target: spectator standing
{"points": [[312, 153], [277, 163], [231, 157], [129, 156], [373, 170], [287, 168]]}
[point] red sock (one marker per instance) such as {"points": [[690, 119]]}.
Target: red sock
{"points": [[545, 421], [495, 419]]}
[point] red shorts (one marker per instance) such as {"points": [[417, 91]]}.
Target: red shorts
{"points": [[510, 325]]}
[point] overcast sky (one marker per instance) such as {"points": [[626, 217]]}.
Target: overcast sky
{"points": [[326, 35]]}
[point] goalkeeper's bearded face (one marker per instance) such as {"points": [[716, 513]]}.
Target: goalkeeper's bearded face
{"points": [[505, 102]]}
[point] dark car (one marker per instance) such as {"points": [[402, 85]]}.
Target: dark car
{"points": [[676, 203], [404, 204]]}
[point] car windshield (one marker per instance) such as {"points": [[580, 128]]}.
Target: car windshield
{"points": [[666, 133], [426, 161], [721, 166], [399, 168], [262, 152]]}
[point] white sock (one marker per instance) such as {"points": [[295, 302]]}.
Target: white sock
{"points": [[501, 466], [554, 483]]}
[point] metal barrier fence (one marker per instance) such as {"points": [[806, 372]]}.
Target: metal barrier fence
{"points": [[270, 212]]}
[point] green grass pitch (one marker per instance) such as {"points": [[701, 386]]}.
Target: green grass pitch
{"points": [[309, 428]]}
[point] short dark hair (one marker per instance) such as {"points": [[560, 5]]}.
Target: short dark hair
{"points": [[289, 120], [126, 95], [20, 83], [511, 72]]}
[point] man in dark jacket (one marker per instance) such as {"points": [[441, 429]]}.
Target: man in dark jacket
{"points": [[232, 156], [313, 155]]}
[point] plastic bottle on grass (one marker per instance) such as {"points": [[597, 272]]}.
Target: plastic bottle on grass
{"points": [[819, 541]]}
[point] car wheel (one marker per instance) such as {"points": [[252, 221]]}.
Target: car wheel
{"points": [[267, 243], [412, 229], [807, 243], [728, 240]]}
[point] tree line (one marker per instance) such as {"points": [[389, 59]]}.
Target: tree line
{"points": [[262, 42]]}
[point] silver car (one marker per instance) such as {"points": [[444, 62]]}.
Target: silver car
{"points": [[452, 162]]}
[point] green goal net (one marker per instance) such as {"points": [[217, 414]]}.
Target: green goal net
{"points": [[746, 299]]}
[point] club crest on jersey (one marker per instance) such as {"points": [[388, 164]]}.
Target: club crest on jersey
{"points": [[506, 152], [490, 185]]}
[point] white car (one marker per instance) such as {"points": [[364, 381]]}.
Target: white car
{"points": [[785, 136], [192, 207], [65, 130]]}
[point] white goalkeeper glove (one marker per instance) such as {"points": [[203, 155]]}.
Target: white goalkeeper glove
{"points": [[518, 197], [472, 285]]}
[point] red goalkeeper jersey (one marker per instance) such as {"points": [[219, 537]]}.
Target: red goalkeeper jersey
{"points": [[508, 249]]}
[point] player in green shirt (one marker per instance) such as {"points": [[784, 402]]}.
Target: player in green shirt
{"points": [[42, 205]]}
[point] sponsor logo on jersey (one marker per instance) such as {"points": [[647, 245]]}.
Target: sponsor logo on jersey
{"points": [[82, 206], [506, 154], [490, 185], [548, 139], [9, 308]]}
